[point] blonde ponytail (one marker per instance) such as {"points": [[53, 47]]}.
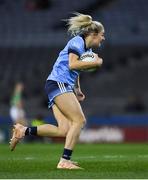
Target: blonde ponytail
{"points": [[83, 24]]}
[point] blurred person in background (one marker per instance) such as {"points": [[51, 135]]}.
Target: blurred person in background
{"points": [[33, 5], [135, 104], [17, 112], [37, 121], [63, 88]]}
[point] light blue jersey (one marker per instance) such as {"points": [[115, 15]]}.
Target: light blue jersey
{"points": [[61, 71]]}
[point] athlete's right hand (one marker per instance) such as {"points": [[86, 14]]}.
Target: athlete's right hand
{"points": [[80, 96], [98, 60]]}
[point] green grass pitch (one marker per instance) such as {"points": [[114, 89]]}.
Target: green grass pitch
{"points": [[99, 160]]}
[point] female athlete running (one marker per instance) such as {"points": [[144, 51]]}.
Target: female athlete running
{"points": [[63, 88]]}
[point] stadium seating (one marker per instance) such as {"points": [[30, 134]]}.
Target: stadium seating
{"points": [[28, 49]]}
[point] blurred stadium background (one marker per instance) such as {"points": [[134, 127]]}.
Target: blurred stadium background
{"points": [[31, 36]]}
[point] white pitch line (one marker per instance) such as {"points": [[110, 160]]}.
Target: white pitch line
{"points": [[29, 158], [111, 156]]}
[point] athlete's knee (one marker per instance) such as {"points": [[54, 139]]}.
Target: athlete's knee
{"points": [[80, 120], [83, 122]]}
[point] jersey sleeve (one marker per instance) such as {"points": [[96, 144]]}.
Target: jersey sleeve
{"points": [[76, 46]]}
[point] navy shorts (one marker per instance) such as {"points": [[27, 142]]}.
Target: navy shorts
{"points": [[54, 89]]}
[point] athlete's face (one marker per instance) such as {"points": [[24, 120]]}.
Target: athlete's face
{"points": [[96, 39]]}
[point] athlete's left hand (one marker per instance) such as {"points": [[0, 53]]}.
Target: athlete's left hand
{"points": [[80, 96]]}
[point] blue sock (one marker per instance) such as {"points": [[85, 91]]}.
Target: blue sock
{"points": [[67, 154], [31, 131]]}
